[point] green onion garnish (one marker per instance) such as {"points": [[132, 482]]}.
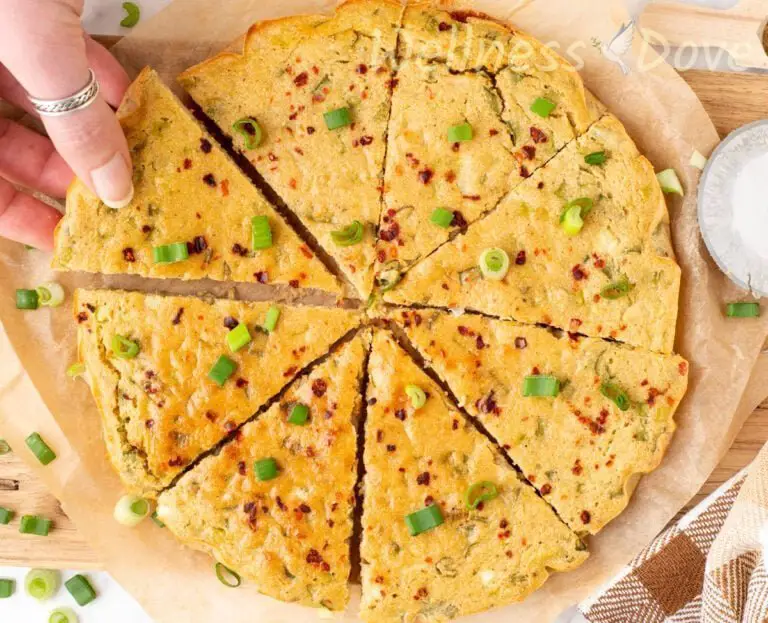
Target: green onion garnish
{"points": [[338, 118], [572, 217], [34, 524], [540, 385], [743, 310], [261, 233], [389, 276], [299, 414], [597, 157], [442, 217], [227, 577], [266, 469], [251, 131], [460, 133], [222, 370], [238, 337], [615, 394], [170, 253], [350, 235], [670, 183], [480, 492], [617, 289], [273, 315], [4, 447], [27, 299], [40, 449], [156, 520], [42, 584], [81, 590], [494, 264], [132, 15], [123, 348], [6, 514], [63, 615], [7, 588], [424, 519], [50, 294], [76, 369], [543, 107], [131, 510], [417, 396]]}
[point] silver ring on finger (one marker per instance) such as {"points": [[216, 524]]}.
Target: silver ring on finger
{"points": [[78, 101]]}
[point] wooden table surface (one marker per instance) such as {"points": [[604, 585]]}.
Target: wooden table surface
{"points": [[732, 100]]}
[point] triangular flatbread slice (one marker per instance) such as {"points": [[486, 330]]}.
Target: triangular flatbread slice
{"points": [[292, 72], [160, 408], [585, 449], [289, 535], [187, 191], [616, 278], [492, 555]]}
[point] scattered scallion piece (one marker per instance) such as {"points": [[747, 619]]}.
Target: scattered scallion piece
{"points": [[222, 370], [698, 160], [4, 447], [76, 369], [227, 577], [743, 310], [299, 414], [6, 514], [350, 235], [615, 394], [670, 182], [541, 385], [34, 524], [442, 217], [543, 107], [338, 118], [266, 469], [250, 130], [460, 133], [239, 337], [27, 299], [494, 264], [424, 519], [63, 615], [50, 294], [595, 158], [42, 584], [40, 449], [389, 276], [417, 395], [131, 510], [480, 492], [7, 588], [80, 589], [617, 289], [132, 15], [156, 520], [123, 348], [270, 321], [261, 233], [170, 253], [572, 217]]}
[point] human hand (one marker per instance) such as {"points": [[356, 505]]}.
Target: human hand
{"points": [[45, 53]]}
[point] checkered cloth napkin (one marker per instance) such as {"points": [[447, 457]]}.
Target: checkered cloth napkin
{"points": [[709, 567]]}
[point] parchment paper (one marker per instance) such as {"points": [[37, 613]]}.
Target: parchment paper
{"points": [[176, 585]]}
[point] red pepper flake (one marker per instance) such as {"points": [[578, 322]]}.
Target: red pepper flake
{"points": [[529, 151], [682, 367], [524, 172], [540, 185], [480, 343], [538, 136], [310, 130], [362, 69], [210, 180], [390, 234], [400, 415], [455, 425], [146, 229], [653, 393], [176, 462], [487, 404], [450, 177], [465, 331], [546, 489], [423, 479], [391, 447], [392, 84], [290, 371], [280, 504], [306, 252], [585, 517], [302, 79], [198, 245], [240, 383], [211, 416], [225, 188], [205, 146], [471, 197], [426, 175], [493, 131], [177, 317], [82, 317], [304, 508], [578, 273], [187, 163], [149, 424], [230, 322], [443, 26], [241, 468], [239, 249], [379, 435], [128, 255], [456, 146], [366, 140], [314, 557], [577, 469], [520, 259], [319, 387], [422, 593]]}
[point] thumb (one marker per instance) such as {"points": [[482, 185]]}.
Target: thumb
{"points": [[47, 55]]}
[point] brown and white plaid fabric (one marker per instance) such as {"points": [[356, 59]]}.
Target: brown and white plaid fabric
{"points": [[709, 567]]}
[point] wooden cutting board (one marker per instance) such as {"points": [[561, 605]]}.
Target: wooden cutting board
{"points": [[732, 100]]}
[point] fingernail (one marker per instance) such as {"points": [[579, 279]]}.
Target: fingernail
{"points": [[112, 183]]}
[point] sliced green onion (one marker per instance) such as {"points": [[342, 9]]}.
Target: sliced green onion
{"points": [[543, 107], [239, 337], [270, 321], [42, 584], [4, 447], [27, 299], [6, 515], [442, 217], [617, 289], [76, 369], [266, 469], [222, 370], [338, 118], [460, 133], [743, 310], [156, 520], [34, 524], [299, 414], [480, 492], [123, 348], [616, 395], [7, 588], [132, 15], [261, 233], [350, 235], [424, 519], [389, 276], [50, 294], [670, 182], [40, 449], [698, 160], [227, 577], [494, 264], [251, 131], [597, 157], [81, 590], [571, 221], [63, 615], [417, 395], [131, 510], [540, 385], [170, 253]]}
